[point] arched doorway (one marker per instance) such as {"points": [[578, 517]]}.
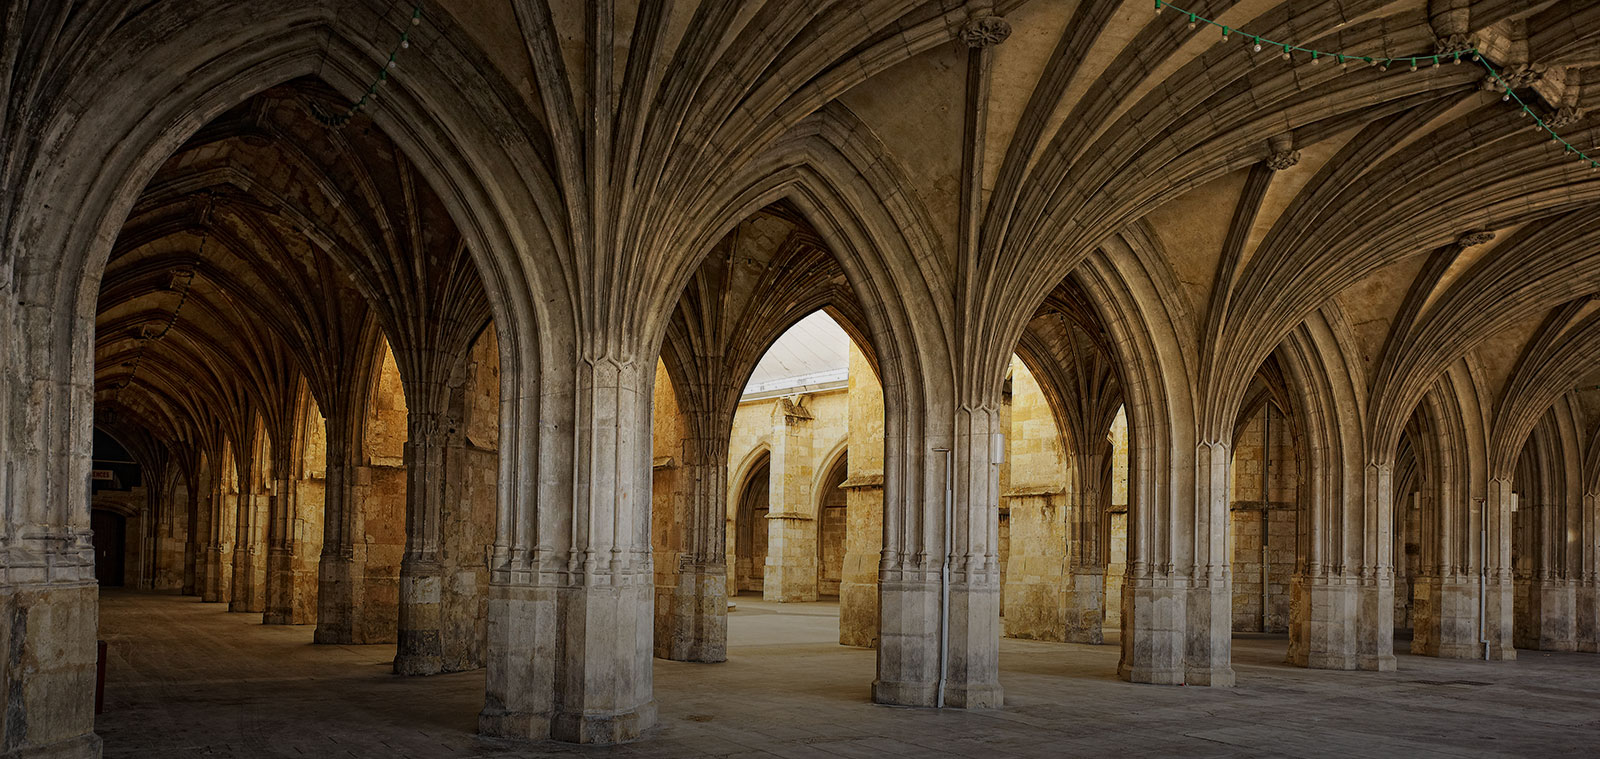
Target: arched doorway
{"points": [[110, 544]]}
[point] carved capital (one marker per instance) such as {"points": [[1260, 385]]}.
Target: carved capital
{"points": [[983, 31], [792, 410], [1283, 159], [1515, 77], [1453, 43], [1475, 237], [1563, 117]]}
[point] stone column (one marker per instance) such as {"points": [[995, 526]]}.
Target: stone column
{"points": [[791, 569], [1549, 621], [420, 648], [570, 618], [940, 465], [1499, 622], [911, 613], [1209, 625], [863, 544], [1083, 596], [1587, 595], [697, 615], [1374, 586], [48, 593], [863, 488], [338, 576], [248, 560], [48, 596], [279, 608], [219, 550], [191, 543], [1447, 599]]}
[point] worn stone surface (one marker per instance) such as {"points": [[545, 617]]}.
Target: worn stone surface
{"points": [[1060, 700], [214, 216]]}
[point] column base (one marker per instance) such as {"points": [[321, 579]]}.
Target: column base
{"points": [[513, 726], [1213, 677], [419, 649], [698, 616], [1377, 663], [335, 601], [47, 630], [905, 693], [1152, 631], [418, 654], [1085, 608], [81, 747], [621, 727], [1208, 655], [908, 637], [1322, 621], [973, 695]]}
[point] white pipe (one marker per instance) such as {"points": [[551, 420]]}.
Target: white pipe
{"points": [[944, 572], [1483, 588]]}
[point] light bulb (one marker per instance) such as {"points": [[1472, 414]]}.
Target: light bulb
{"points": [[1413, 64], [405, 44], [1506, 98], [1257, 47]]}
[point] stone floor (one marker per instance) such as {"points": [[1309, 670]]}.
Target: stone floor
{"points": [[189, 679]]}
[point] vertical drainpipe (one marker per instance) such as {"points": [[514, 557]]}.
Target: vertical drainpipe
{"points": [[1483, 585], [1266, 469], [944, 573]]}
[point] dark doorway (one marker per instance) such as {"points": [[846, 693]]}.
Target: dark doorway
{"points": [[110, 533]]}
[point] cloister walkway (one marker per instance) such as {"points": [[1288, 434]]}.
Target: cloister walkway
{"points": [[190, 679]]}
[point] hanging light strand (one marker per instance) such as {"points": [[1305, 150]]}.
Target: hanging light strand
{"points": [[389, 69], [1257, 43]]}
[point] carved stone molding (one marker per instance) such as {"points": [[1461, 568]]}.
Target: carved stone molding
{"points": [[1283, 159], [1516, 77], [1563, 117], [1453, 43], [1475, 237], [983, 31]]}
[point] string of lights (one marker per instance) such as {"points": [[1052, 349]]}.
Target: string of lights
{"points": [[371, 93], [1259, 43], [145, 339]]}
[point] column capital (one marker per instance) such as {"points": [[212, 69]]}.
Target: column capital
{"points": [[983, 31]]}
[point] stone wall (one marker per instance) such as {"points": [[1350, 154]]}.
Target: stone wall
{"points": [[1250, 510], [800, 436], [306, 531], [467, 519], [669, 505], [380, 499], [858, 578], [1034, 492]]}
